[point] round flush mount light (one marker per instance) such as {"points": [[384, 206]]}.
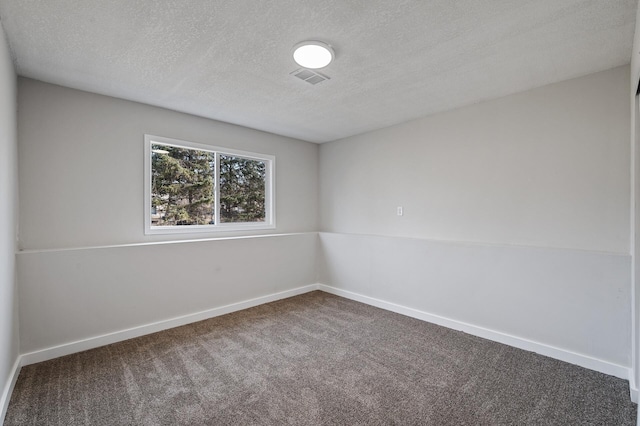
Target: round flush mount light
{"points": [[313, 54]]}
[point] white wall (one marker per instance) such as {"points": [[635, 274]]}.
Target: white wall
{"points": [[575, 301], [8, 223], [635, 211], [86, 269], [548, 167], [71, 295], [81, 167], [516, 217]]}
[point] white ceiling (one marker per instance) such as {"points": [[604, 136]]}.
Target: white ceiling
{"points": [[395, 60]]}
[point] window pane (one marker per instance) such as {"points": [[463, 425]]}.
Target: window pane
{"points": [[242, 189], [181, 186]]}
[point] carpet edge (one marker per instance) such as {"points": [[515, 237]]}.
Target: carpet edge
{"points": [[9, 386], [581, 360], [130, 333]]}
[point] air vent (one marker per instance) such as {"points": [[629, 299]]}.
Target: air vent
{"points": [[309, 76]]}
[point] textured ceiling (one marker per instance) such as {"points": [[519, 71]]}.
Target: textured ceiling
{"points": [[395, 60]]}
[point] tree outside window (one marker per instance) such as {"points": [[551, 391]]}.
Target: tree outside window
{"points": [[193, 188]]}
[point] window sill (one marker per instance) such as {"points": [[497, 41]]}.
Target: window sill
{"points": [[211, 229]]}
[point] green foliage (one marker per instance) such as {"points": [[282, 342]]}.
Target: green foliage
{"points": [[182, 191], [182, 186], [242, 189]]}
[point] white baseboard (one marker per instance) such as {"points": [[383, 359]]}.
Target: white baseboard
{"points": [[118, 336], [633, 390], [518, 342], [97, 341], [8, 388]]}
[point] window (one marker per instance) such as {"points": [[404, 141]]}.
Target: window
{"points": [[191, 187]]}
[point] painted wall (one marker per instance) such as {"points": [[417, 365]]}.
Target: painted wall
{"points": [[575, 301], [516, 216], [81, 167], [86, 268], [548, 168], [635, 211], [70, 295], [8, 222]]}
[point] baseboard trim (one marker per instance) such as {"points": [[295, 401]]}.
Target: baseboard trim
{"points": [[105, 339], [633, 390], [633, 393], [507, 339], [118, 336], [8, 388]]}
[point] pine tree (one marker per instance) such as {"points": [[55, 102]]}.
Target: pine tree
{"points": [[242, 189], [182, 185]]}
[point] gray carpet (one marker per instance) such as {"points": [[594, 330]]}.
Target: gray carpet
{"points": [[314, 359]]}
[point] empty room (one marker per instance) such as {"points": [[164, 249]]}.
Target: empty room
{"points": [[319, 212]]}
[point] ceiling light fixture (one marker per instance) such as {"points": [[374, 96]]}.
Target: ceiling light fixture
{"points": [[313, 54]]}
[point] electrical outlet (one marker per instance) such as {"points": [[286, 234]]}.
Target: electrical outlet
{"points": [[400, 211]]}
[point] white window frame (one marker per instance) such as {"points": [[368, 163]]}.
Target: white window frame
{"points": [[270, 162]]}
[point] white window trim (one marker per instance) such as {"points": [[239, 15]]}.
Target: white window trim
{"points": [[270, 216]]}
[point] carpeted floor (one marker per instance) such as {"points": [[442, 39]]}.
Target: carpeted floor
{"points": [[310, 360]]}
